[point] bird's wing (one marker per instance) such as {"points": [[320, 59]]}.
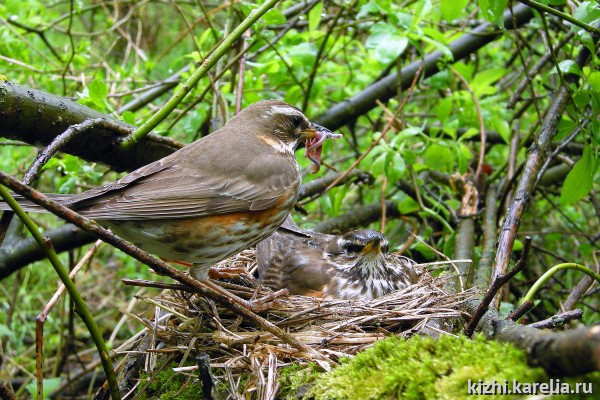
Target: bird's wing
{"points": [[170, 188], [288, 262]]}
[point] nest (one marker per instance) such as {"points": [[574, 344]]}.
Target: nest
{"points": [[193, 325]]}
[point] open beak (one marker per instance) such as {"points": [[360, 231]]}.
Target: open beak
{"points": [[315, 136]]}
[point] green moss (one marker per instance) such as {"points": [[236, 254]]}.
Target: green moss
{"points": [[297, 379], [169, 385], [418, 368]]}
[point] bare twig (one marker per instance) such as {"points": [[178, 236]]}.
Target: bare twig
{"points": [[496, 285], [482, 134], [483, 271], [558, 320], [518, 312], [48, 152], [383, 132]]}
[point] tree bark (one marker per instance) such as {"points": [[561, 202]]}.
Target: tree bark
{"points": [[37, 117], [569, 353]]}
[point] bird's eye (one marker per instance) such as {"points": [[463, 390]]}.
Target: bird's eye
{"points": [[296, 120], [353, 247]]}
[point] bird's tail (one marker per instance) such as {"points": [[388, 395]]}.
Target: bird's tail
{"points": [[29, 206]]}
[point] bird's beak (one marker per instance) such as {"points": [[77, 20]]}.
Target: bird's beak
{"points": [[373, 247], [315, 136]]}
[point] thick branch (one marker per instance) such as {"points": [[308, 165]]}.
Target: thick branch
{"points": [[26, 251], [37, 117], [358, 217], [569, 353]]}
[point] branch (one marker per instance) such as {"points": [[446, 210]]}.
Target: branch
{"points": [[542, 7], [496, 285], [536, 157], [318, 186], [189, 84], [67, 237], [569, 353], [520, 311], [483, 272], [26, 251], [37, 117], [386, 88], [359, 216], [556, 321]]}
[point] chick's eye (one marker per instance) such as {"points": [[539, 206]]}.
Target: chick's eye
{"points": [[296, 120], [353, 247]]}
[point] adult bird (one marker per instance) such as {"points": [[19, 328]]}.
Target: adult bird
{"points": [[353, 266], [214, 197]]}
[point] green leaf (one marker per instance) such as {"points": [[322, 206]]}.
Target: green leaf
{"points": [[449, 245], [49, 386], [128, 117], [386, 41], [97, 91], [464, 157], [580, 179], [594, 81], [314, 17], [588, 12], [421, 11], [396, 167], [501, 126], [469, 133], [451, 9], [439, 158], [274, 17], [518, 245], [483, 82], [407, 205], [378, 166], [492, 9], [582, 98], [444, 108], [424, 250], [587, 40], [369, 8], [569, 67]]}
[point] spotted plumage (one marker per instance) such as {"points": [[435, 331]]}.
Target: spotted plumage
{"points": [[355, 265]]}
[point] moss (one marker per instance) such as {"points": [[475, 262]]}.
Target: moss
{"points": [[296, 379], [418, 368], [169, 385]]}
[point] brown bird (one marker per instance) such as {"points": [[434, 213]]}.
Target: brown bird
{"points": [[355, 265], [214, 197]]}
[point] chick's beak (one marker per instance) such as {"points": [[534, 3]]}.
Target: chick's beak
{"points": [[315, 136], [373, 247]]}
